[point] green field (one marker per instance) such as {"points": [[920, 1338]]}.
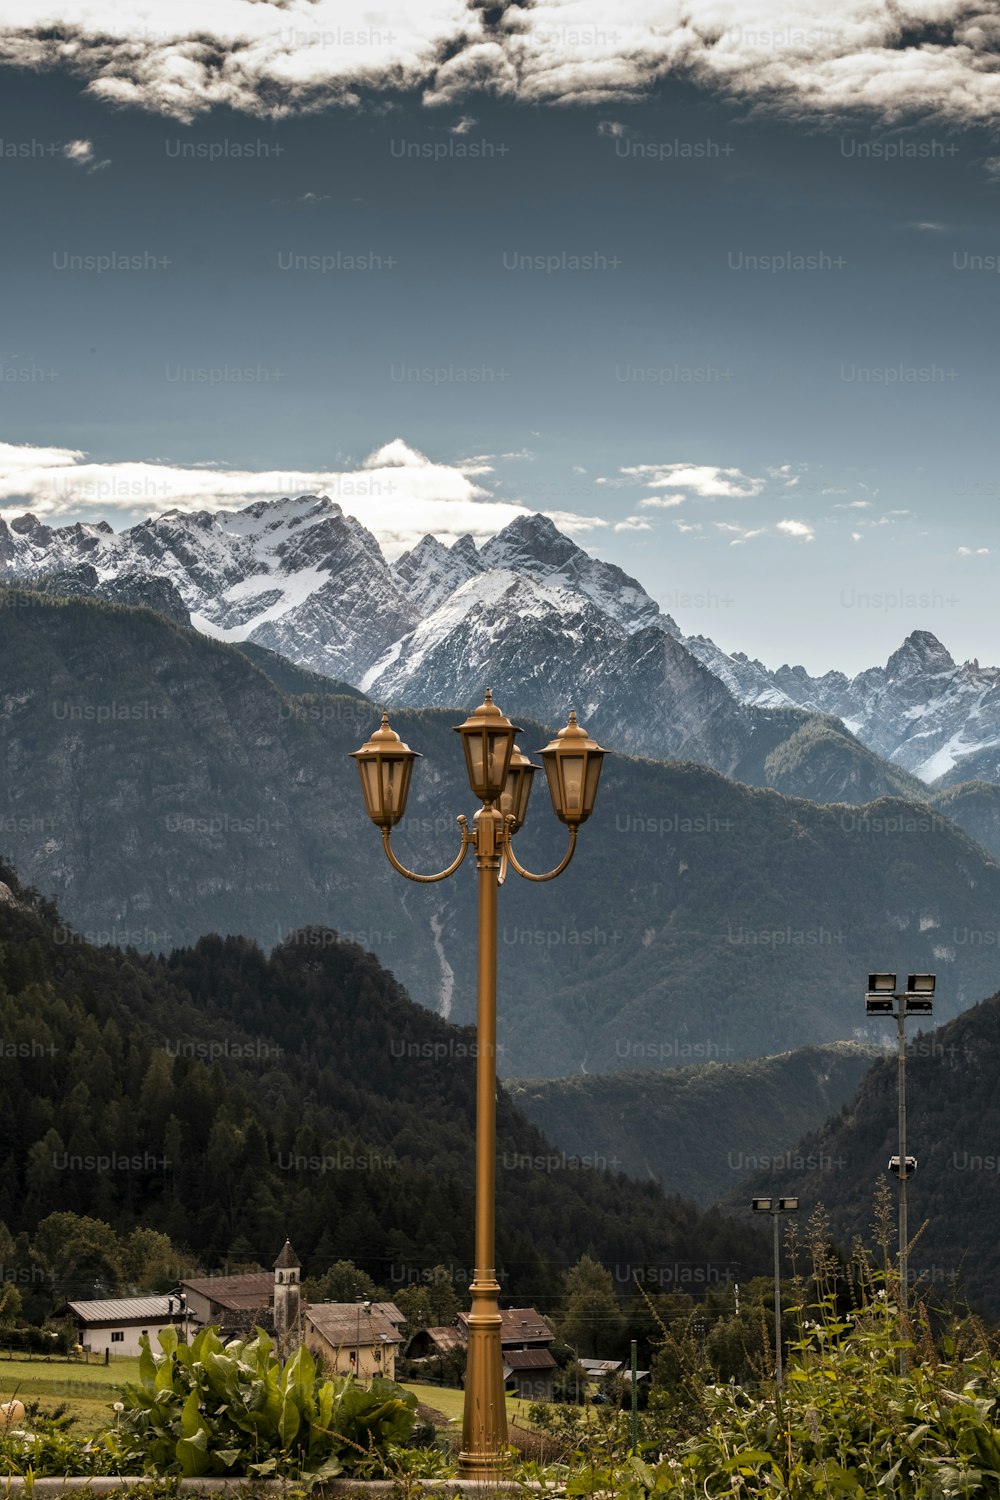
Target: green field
{"points": [[450, 1402], [87, 1391]]}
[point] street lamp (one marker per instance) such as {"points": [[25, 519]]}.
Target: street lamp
{"points": [[776, 1207], [500, 776], [883, 999]]}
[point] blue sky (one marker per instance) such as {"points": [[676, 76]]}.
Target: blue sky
{"points": [[720, 296]]}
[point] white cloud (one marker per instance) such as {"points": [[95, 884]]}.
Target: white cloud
{"points": [[633, 523], [706, 480], [973, 551], [463, 126], [800, 529], [859, 505], [738, 534], [929, 58], [397, 492], [785, 473], [855, 536], [82, 153], [992, 165], [928, 225], [661, 502], [685, 526], [611, 127]]}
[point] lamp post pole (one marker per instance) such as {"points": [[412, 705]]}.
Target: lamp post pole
{"points": [[500, 776], [904, 1233], [776, 1207], [882, 998], [484, 1426]]}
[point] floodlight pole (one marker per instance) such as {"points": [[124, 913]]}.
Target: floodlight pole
{"points": [[904, 1235], [883, 998], [776, 1207]]}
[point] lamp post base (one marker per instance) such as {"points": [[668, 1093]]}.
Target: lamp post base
{"points": [[484, 1429]]}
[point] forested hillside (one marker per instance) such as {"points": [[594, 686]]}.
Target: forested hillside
{"points": [[228, 1099]]}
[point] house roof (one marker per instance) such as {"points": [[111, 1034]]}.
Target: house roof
{"points": [[443, 1339], [528, 1359], [600, 1366], [518, 1325], [253, 1289], [345, 1325], [391, 1311], [127, 1310], [287, 1259]]}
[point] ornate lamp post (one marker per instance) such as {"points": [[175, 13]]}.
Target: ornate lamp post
{"points": [[500, 776]]}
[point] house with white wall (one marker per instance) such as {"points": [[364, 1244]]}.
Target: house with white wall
{"points": [[114, 1326]]}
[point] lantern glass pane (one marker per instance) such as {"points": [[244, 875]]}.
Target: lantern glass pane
{"points": [[594, 764], [509, 795], [524, 792], [390, 785], [572, 778], [474, 758], [555, 790], [516, 791], [500, 745], [370, 786]]}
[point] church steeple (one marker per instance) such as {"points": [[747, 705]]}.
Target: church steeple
{"points": [[287, 1300]]}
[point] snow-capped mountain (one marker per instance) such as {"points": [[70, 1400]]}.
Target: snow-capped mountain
{"points": [[295, 575], [921, 711], [543, 620], [430, 572]]}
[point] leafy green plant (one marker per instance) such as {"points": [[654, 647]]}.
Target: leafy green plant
{"points": [[44, 1446], [234, 1409]]}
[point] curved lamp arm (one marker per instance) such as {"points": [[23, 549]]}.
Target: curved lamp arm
{"points": [[443, 874], [526, 874]]}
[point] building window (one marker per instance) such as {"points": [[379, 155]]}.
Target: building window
{"points": [[118, 1338]]}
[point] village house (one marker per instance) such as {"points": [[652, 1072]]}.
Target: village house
{"points": [[526, 1343], [113, 1326], [432, 1344], [234, 1304], [354, 1338]]}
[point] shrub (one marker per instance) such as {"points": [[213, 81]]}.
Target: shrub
{"points": [[235, 1410]]}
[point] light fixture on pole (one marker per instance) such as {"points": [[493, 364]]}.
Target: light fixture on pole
{"points": [[500, 776], [883, 999], [776, 1207]]}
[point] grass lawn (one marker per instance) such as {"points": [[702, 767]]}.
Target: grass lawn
{"points": [[86, 1390], [451, 1402]]}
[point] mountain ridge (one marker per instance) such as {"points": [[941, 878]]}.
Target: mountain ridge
{"points": [[301, 577], [161, 785]]}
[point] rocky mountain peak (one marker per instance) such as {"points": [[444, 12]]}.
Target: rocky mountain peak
{"points": [[431, 572], [25, 524], [529, 543], [921, 653]]}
